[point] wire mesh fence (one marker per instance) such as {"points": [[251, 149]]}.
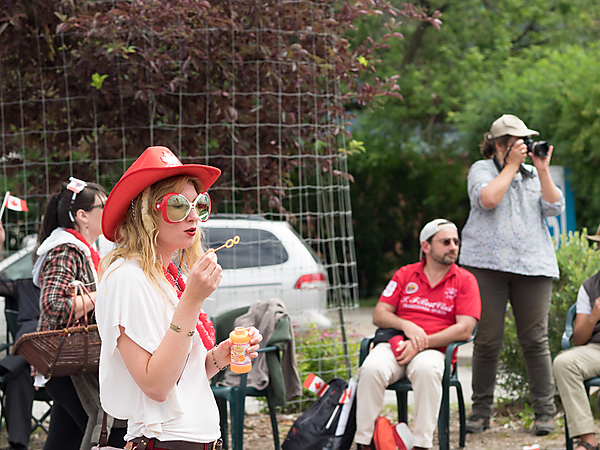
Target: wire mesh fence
{"points": [[249, 87]]}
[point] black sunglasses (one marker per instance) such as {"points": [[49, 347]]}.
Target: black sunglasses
{"points": [[447, 242]]}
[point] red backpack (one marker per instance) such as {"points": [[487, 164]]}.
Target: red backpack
{"points": [[389, 437]]}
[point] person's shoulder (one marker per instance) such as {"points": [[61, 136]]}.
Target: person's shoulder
{"points": [[410, 268], [483, 164], [464, 274], [125, 268], [66, 251]]}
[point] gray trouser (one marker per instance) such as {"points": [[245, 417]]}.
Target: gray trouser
{"points": [[530, 300]]}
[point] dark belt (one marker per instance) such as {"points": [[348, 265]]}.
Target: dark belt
{"points": [[144, 443]]}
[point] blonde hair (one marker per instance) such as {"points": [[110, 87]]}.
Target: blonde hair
{"points": [[137, 235]]}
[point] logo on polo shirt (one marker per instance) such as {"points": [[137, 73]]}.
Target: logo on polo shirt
{"points": [[390, 288], [450, 293], [411, 288]]}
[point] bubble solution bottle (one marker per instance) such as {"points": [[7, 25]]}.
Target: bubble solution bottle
{"points": [[240, 361]]}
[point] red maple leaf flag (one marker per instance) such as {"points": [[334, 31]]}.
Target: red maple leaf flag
{"points": [[16, 204], [315, 384]]}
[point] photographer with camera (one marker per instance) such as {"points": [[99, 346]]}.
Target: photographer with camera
{"points": [[507, 246]]}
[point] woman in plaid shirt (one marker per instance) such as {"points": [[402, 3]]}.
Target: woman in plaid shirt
{"points": [[71, 225]]}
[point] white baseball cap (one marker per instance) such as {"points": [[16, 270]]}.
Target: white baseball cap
{"points": [[433, 227]]}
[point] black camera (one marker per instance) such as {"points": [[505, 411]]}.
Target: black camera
{"points": [[539, 148]]}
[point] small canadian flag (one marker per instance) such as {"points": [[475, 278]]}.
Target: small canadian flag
{"points": [[15, 204], [315, 384], [347, 395], [76, 185]]}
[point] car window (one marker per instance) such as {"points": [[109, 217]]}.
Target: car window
{"points": [[21, 268], [257, 248]]}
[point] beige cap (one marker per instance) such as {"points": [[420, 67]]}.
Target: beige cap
{"points": [[509, 125], [430, 230], [595, 237], [433, 227]]}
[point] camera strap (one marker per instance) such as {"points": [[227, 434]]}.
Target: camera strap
{"points": [[524, 172]]}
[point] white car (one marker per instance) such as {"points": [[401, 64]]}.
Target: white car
{"points": [[19, 264], [270, 261]]}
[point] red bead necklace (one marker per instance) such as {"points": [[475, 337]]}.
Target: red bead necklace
{"points": [[205, 327]]}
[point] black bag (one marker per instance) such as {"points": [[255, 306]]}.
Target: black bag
{"points": [[385, 334], [315, 428]]}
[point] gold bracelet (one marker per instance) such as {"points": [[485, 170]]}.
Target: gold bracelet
{"points": [[177, 329], [212, 352]]}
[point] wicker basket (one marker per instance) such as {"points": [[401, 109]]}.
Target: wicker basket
{"points": [[68, 351], [59, 353]]}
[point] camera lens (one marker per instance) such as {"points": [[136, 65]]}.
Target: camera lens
{"points": [[540, 148]]}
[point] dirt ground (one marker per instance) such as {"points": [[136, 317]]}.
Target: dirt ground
{"points": [[506, 433]]}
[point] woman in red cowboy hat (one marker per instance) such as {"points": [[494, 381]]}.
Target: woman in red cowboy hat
{"points": [[158, 346]]}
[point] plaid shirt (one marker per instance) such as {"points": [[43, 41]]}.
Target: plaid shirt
{"points": [[64, 264]]}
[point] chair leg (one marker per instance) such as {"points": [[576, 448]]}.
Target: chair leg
{"points": [[568, 439], [274, 426], [222, 405], [402, 402], [237, 422], [2, 418], [444, 420], [461, 415], [39, 423]]}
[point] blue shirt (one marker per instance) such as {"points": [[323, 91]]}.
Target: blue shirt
{"points": [[513, 236]]}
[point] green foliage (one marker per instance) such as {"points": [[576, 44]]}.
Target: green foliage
{"points": [[536, 59], [321, 351], [557, 94], [577, 260], [250, 87], [98, 80], [396, 190]]}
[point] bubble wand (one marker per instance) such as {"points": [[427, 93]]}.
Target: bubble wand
{"points": [[228, 244]]}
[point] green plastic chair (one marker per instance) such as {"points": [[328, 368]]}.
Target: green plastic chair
{"points": [[565, 344], [236, 395], [449, 379]]}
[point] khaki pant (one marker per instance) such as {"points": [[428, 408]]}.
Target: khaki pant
{"points": [[530, 300], [381, 369], [571, 368]]}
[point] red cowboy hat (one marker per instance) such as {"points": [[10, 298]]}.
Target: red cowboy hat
{"points": [[155, 164]]}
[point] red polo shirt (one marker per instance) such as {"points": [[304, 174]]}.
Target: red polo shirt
{"points": [[433, 309]]}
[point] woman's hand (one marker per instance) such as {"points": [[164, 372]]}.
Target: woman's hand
{"points": [[204, 277], [517, 154], [222, 352], [255, 340], [542, 162]]}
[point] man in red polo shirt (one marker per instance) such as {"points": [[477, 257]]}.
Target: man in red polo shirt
{"points": [[433, 302]]}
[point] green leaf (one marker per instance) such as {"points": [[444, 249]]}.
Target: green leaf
{"points": [[98, 80]]}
